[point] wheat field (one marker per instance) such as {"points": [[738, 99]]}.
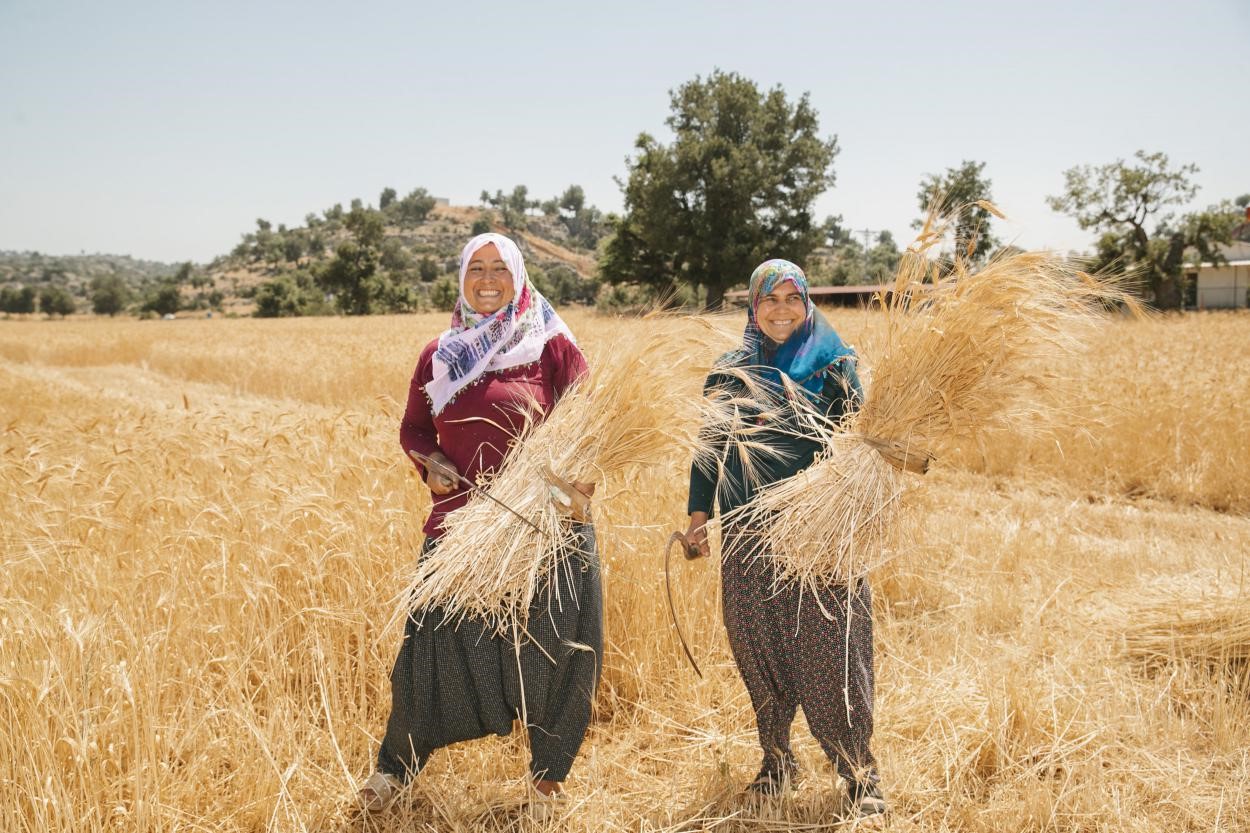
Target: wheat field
{"points": [[205, 524]]}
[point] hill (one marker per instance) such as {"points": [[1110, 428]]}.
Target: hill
{"points": [[407, 264]]}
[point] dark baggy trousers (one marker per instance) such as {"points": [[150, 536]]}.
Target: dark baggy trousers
{"points": [[459, 681], [791, 654]]}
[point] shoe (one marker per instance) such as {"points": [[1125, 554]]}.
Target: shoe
{"points": [[545, 807], [774, 777], [379, 792], [867, 802]]}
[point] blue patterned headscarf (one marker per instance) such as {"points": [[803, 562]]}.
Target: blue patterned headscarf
{"points": [[809, 350]]}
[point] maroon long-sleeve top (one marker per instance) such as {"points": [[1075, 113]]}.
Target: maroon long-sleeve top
{"points": [[476, 428]]}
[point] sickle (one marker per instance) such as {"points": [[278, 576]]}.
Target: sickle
{"points": [[690, 552], [471, 486]]}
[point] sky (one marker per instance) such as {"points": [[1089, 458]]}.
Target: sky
{"points": [[164, 130]]}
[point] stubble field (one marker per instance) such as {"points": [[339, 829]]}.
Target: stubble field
{"points": [[203, 526]]}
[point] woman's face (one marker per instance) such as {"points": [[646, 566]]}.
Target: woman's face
{"points": [[487, 282], [781, 311]]}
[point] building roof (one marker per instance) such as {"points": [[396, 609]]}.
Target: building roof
{"points": [[1236, 253]]}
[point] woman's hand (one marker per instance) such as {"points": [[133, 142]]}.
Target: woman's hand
{"points": [[696, 535], [441, 475]]}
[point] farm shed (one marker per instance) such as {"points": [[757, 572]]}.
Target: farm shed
{"points": [[1225, 286]]}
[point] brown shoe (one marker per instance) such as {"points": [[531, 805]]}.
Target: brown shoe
{"points": [[379, 792]]}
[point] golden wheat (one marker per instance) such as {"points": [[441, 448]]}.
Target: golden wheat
{"points": [[203, 523]]}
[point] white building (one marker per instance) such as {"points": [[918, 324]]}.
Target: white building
{"points": [[1225, 286]]}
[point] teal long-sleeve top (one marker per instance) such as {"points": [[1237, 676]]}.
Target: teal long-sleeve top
{"points": [[725, 483]]}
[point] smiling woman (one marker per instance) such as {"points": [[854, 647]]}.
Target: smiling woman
{"points": [[502, 365], [791, 367], [487, 281]]}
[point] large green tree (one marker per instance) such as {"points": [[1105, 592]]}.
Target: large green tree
{"points": [[961, 189], [1127, 204], [736, 186]]}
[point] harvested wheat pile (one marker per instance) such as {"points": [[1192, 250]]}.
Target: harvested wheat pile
{"points": [[1211, 631]]}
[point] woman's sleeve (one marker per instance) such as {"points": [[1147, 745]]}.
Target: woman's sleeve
{"points": [[416, 431], [705, 478], [565, 363], [843, 392]]}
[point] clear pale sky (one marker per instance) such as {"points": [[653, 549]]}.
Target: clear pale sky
{"points": [[163, 130]]}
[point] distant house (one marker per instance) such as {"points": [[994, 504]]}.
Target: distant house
{"points": [[833, 296], [1225, 286]]}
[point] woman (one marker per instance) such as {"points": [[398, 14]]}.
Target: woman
{"points": [[506, 354], [789, 653]]}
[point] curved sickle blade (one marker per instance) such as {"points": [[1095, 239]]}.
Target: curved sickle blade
{"points": [[677, 537]]}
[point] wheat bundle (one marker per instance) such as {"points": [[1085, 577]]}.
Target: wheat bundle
{"points": [[489, 563], [1212, 631], [964, 351]]}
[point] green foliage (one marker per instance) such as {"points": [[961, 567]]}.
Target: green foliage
{"points": [[1122, 200], [352, 276], [334, 213], [291, 294], [484, 223], [109, 295], [735, 187], [18, 300], [585, 224], [387, 197], [427, 268], [395, 258], [633, 298], [414, 208], [1242, 201], [444, 293], [368, 226], [513, 208], [848, 263], [165, 298], [958, 190], [561, 285]]}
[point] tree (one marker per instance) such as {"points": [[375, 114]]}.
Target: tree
{"points": [[353, 273], [960, 189], [1122, 200], [513, 207], [281, 297], [56, 301], [18, 301], [427, 268], [849, 262], [585, 223], [736, 186], [415, 207], [109, 295], [444, 293], [164, 299], [485, 222], [387, 197]]}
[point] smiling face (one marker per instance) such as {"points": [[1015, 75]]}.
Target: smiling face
{"points": [[780, 312], [487, 281]]}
